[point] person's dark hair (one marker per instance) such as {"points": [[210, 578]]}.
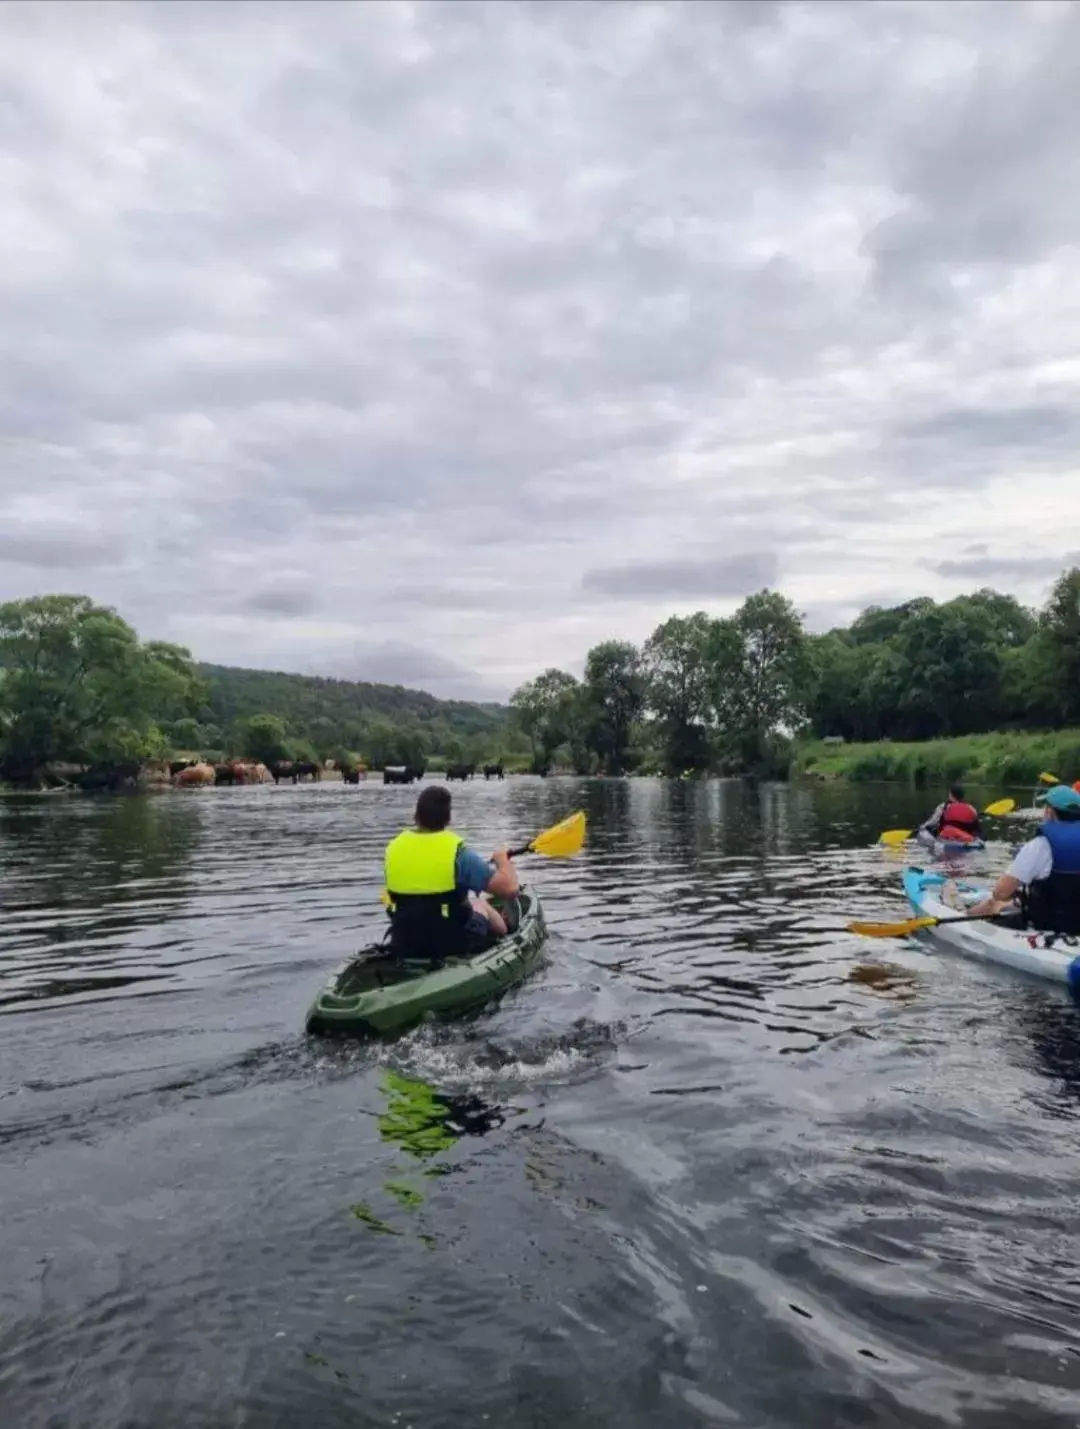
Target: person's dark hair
{"points": [[956, 791], [433, 808], [1068, 816]]}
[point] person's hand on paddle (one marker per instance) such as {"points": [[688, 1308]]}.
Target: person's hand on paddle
{"points": [[504, 881]]}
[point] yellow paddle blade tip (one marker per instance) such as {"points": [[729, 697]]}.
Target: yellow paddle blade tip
{"points": [[563, 839], [890, 930], [895, 836], [1001, 806]]}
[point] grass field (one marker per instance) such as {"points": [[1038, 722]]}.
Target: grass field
{"points": [[1008, 759]]}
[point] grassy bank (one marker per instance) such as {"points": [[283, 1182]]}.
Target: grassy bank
{"points": [[1007, 759]]}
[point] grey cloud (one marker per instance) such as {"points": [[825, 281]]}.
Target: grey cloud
{"points": [[713, 578], [436, 308], [59, 549], [1005, 568], [281, 600], [1035, 426]]}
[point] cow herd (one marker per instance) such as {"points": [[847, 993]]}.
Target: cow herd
{"points": [[195, 774], [200, 774], [468, 771]]}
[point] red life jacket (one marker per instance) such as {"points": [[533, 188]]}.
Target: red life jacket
{"points": [[959, 822]]}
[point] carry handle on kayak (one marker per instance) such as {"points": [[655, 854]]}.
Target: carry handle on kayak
{"points": [[562, 840]]}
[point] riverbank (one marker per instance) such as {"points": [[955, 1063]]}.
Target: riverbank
{"points": [[1004, 758]]}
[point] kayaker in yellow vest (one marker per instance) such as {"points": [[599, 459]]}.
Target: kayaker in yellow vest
{"points": [[435, 883]]}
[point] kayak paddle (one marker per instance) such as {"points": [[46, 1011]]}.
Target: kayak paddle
{"points": [[912, 925], [562, 840], [1000, 807], [994, 810], [1045, 778]]}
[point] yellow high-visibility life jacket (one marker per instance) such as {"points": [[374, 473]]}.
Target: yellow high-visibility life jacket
{"points": [[427, 910]]}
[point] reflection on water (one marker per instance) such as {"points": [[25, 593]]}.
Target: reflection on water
{"points": [[717, 1163]]}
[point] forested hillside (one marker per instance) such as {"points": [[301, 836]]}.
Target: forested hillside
{"points": [[384, 723]]}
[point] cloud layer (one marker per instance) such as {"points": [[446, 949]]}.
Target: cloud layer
{"points": [[435, 342]]}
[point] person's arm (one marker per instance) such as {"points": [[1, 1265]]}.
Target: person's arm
{"points": [[933, 823], [504, 882], [1034, 861], [479, 875]]}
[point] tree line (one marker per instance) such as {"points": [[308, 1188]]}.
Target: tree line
{"points": [[78, 687], [732, 694]]}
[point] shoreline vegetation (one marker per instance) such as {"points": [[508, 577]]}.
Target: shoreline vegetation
{"points": [[1009, 759], [978, 687]]}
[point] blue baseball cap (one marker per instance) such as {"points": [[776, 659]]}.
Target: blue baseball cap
{"points": [[1060, 797]]}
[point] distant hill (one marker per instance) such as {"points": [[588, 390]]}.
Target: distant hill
{"points": [[379, 721]]}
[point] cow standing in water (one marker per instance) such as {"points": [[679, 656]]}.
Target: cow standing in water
{"points": [[493, 771], [195, 776], [294, 769], [460, 771], [401, 773]]}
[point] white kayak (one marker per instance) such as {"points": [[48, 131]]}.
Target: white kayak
{"points": [[1029, 815], [1046, 955]]}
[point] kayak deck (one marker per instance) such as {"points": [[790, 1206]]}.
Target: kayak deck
{"points": [[374, 993], [1042, 955]]}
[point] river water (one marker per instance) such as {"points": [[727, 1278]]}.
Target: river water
{"points": [[715, 1164]]}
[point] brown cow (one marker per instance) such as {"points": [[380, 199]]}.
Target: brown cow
{"points": [[196, 776]]}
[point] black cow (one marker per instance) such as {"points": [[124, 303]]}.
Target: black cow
{"points": [[305, 769], [110, 777], [282, 769], [460, 771], [349, 775], [402, 773], [493, 771]]}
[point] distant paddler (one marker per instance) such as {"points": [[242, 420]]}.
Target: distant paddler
{"points": [[953, 821]]}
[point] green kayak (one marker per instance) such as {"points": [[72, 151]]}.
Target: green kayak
{"points": [[375, 994]]}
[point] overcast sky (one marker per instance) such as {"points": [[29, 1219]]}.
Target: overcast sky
{"points": [[434, 343]]}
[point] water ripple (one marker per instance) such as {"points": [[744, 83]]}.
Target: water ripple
{"points": [[717, 1162]]}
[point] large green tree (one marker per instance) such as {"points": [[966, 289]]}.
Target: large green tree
{"points": [[76, 684], [613, 698], [678, 660], [547, 710], [1060, 630], [263, 737], [952, 657], [762, 675]]}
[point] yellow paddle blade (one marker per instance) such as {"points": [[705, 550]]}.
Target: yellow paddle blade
{"points": [[1045, 778], [384, 898], [895, 836], [562, 840], [1001, 806], [891, 930]]}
